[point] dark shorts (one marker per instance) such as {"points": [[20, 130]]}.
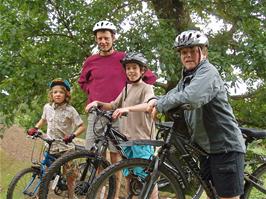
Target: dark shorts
{"points": [[226, 172]]}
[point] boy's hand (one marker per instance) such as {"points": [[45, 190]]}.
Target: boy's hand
{"points": [[152, 108], [154, 114], [32, 131], [120, 112], [68, 138], [90, 105]]}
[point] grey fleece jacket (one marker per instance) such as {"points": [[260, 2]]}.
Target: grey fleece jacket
{"points": [[211, 121]]}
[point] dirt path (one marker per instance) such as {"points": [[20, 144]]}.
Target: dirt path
{"points": [[16, 144], [19, 146]]}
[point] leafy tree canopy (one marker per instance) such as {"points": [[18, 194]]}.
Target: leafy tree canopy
{"points": [[42, 40]]}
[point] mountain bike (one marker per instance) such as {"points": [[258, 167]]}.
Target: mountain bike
{"points": [[26, 183], [93, 160], [255, 166], [194, 189], [167, 165]]}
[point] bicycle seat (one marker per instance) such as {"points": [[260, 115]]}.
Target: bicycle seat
{"points": [[142, 142], [253, 134], [164, 124], [177, 112]]}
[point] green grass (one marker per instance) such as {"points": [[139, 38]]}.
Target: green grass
{"points": [[8, 169]]}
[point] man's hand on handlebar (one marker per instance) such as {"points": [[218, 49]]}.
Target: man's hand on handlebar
{"points": [[90, 105]]}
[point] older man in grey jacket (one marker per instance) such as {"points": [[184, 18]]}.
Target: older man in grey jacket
{"points": [[211, 121]]}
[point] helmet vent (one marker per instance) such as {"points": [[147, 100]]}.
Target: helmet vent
{"points": [[104, 25], [189, 36], [134, 57]]}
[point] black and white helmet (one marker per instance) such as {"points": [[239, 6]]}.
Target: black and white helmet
{"points": [[104, 25], [190, 38], [135, 57]]}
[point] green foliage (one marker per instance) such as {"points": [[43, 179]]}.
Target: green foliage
{"points": [[251, 111], [257, 147], [42, 40]]}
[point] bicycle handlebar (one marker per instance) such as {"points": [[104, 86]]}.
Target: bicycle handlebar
{"points": [[47, 140], [100, 112], [104, 113]]}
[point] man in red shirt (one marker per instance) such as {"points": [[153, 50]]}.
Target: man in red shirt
{"points": [[103, 77]]}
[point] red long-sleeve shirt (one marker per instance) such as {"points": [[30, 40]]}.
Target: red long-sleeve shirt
{"points": [[103, 77]]}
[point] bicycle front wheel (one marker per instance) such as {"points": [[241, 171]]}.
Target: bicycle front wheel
{"points": [[130, 176], [257, 188], [71, 175], [25, 184]]}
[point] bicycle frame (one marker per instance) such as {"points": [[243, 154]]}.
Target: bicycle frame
{"points": [[256, 162], [188, 153], [166, 167], [101, 144], [46, 162], [110, 134]]}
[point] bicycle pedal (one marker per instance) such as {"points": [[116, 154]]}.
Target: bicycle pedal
{"points": [[35, 166]]}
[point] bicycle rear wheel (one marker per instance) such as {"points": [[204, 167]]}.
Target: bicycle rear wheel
{"points": [[25, 184], [133, 172], [195, 188], [84, 168], [259, 177]]}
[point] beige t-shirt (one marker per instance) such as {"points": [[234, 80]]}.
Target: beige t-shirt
{"points": [[61, 120], [137, 125]]}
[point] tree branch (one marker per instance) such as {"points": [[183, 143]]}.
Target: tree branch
{"points": [[250, 94], [65, 22], [161, 85], [243, 96], [55, 34]]}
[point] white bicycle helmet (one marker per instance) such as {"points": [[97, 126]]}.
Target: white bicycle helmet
{"points": [[104, 25], [190, 38]]}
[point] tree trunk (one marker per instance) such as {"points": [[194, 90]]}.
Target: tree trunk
{"points": [[174, 11]]}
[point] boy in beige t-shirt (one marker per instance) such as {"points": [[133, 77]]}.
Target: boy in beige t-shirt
{"points": [[138, 124]]}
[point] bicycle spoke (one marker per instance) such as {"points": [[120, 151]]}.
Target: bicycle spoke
{"points": [[126, 181], [77, 171], [24, 185]]}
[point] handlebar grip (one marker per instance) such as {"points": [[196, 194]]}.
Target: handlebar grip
{"points": [[125, 114], [95, 108]]}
